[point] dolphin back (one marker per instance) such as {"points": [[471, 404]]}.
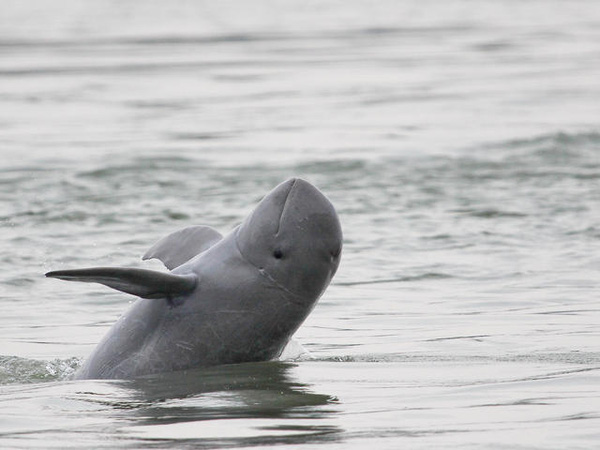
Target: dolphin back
{"points": [[181, 246]]}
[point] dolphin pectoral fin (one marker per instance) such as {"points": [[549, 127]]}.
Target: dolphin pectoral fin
{"points": [[141, 282], [179, 247]]}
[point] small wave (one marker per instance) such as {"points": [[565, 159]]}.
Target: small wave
{"points": [[555, 149], [558, 139], [14, 369], [125, 41], [135, 166], [199, 136], [488, 213], [406, 279], [575, 358]]}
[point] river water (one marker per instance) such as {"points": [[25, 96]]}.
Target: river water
{"points": [[459, 141]]}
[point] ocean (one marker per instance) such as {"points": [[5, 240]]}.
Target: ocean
{"points": [[459, 142]]}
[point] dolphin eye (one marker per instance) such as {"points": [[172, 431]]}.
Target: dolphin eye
{"points": [[278, 254], [336, 252]]}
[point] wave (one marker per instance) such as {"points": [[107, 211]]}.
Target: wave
{"points": [[406, 279], [552, 149], [14, 369], [575, 357]]}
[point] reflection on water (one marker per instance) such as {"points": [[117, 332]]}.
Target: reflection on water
{"points": [[236, 404], [261, 402], [261, 389]]}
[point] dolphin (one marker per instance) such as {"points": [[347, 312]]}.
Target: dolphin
{"points": [[226, 300]]}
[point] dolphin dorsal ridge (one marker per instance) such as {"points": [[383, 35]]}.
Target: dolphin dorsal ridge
{"points": [[181, 246]]}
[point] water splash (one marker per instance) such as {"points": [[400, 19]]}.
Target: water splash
{"points": [[14, 369]]}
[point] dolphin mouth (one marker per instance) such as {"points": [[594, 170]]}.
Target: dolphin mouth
{"points": [[290, 296]]}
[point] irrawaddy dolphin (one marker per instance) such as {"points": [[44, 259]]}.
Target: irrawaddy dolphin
{"points": [[231, 299]]}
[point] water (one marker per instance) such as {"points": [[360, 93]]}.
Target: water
{"points": [[458, 140]]}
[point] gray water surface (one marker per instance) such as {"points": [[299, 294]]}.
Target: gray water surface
{"points": [[459, 141]]}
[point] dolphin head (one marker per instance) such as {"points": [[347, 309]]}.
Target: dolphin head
{"points": [[294, 238]]}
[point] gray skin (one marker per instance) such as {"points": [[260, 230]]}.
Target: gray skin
{"points": [[227, 300]]}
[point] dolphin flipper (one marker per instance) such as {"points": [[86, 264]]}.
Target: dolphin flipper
{"points": [[179, 247], [141, 282]]}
